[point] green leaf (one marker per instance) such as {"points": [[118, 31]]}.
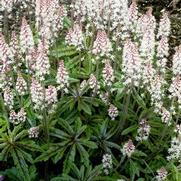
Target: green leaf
{"points": [[134, 169], [60, 154], [139, 99], [25, 155], [85, 107], [59, 133], [66, 126], [29, 145], [20, 164], [139, 153], [88, 143], [83, 154], [129, 130]]}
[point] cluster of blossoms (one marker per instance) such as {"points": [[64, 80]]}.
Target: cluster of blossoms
{"points": [[51, 97], [128, 148], [19, 117], [21, 85], [175, 87], [75, 37], [62, 77], [131, 64], [107, 14], [7, 5], [161, 174], [146, 28], [6, 56], [163, 46], [166, 116], [108, 74], [94, 84], [33, 132], [37, 94], [113, 112], [175, 149], [26, 37], [49, 18], [102, 45], [143, 130], [42, 65], [133, 15], [107, 163], [8, 97], [162, 53], [156, 90], [15, 49]]}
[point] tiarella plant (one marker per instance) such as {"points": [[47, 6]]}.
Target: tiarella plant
{"points": [[87, 92]]}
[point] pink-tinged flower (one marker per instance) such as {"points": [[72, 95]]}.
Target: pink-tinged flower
{"points": [[57, 23], [62, 77], [37, 94], [26, 37], [161, 174], [51, 95], [175, 89], [8, 97], [108, 74], [131, 64], [156, 90], [148, 73], [164, 25], [163, 47], [133, 14], [176, 68], [49, 18], [21, 85], [102, 45], [103, 14], [6, 56], [75, 37], [31, 58], [166, 116], [162, 53], [146, 22], [128, 148], [33, 132], [13, 117], [143, 131], [14, 44], [17, 118], [5, 79], [113, 112], [42, 63], [94, 84], [21, 116], [147, 48]]}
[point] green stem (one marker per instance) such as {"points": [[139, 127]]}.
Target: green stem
{"points": [[122, 122], [45, 120], [121, 161], [5, 28]]}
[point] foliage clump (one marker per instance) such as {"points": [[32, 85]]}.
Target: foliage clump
{"points": [[87, 92]]}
